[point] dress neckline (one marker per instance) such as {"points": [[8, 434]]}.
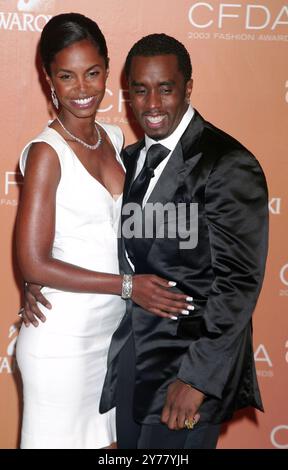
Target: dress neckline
{"points": [[85, 169]]}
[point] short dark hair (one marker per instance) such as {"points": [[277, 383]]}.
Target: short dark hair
{"points": [[64, 30], [161, 44]]}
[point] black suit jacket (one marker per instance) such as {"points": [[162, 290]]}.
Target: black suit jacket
{"points": [[211, 349]]}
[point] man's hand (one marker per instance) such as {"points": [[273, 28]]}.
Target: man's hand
{"points": [[31, 311], [182, 402]]}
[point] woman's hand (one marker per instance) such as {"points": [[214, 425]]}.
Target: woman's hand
{"points": [[31, 313], [151, 292], [154, 294]]}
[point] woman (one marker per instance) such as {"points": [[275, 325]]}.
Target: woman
{"points": [[67, 241]]}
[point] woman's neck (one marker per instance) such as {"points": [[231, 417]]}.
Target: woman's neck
{"points": [[84, 127]]}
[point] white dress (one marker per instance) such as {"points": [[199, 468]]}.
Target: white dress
{"points": [[63, 361]]}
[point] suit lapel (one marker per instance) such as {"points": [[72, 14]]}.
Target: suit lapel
{"points": [[182, 161], [184, 157], [131, 155]]}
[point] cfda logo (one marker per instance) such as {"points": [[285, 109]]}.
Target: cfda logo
{"points": [[7, 362], [11, 184], [275, 205], [261, 355], [251, 16], [284, 280], [35, 5], [279, 436], [284, 275]]}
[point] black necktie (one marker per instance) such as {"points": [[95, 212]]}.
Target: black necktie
{"points": [[154, 156]]}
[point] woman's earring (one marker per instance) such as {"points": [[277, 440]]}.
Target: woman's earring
{"points": [[54, 98]]}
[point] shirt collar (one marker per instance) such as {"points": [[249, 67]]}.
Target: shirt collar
{"points": [[171, 141]]}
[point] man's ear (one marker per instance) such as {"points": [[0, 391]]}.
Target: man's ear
{"points": [[188, 90]]}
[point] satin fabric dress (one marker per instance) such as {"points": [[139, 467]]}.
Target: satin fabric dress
{"points": [[63, 361]]}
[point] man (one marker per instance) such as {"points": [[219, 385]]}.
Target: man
{"points": [[163, 375]]}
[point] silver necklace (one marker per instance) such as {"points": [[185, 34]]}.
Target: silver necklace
{"points": [[90, 147]]}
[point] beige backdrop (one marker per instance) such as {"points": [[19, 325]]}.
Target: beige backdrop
{"points": [[239, 55]]}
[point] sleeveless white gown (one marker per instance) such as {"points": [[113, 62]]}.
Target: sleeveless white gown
{"points": [[63, 361]]}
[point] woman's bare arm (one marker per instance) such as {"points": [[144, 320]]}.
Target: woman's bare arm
{"points": [[36, 230], [35, 235]]}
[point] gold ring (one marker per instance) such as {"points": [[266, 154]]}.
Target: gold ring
{"points": [[189, 423]]}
